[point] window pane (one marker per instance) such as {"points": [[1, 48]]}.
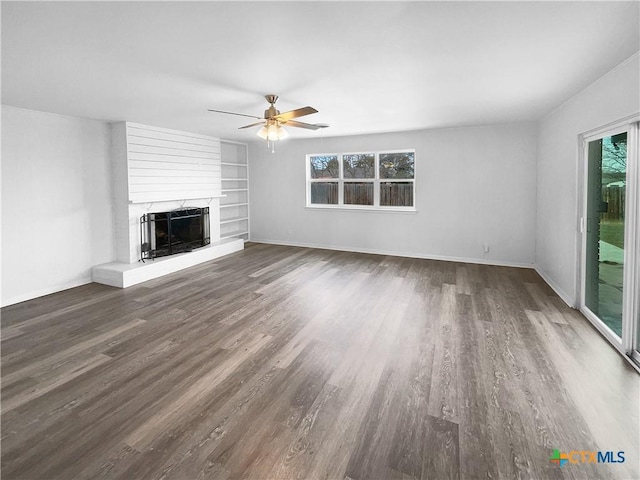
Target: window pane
{"points": [[396, 194], [359, 165], [606, 197], [358, 193], [325, 193], [324, 166], [396, 165]]}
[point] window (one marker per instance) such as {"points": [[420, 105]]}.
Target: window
{"points": [[324, 170], [359, 173], [382, 180], [396, 169]]}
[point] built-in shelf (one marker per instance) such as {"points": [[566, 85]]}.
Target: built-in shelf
{"points": [[235, 168], [234, 219], [233, 234], [233, 205]]}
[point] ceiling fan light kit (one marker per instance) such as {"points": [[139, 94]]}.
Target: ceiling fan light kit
{"points": [[272, 129], [272, 132]]}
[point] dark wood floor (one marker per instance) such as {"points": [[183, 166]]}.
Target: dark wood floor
{"points": [[281, 362]]}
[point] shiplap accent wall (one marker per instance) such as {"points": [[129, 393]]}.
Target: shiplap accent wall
{"points": [[156, 170], [169, 165]]}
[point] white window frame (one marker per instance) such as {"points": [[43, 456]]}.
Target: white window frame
{"points": [[376, 180]]}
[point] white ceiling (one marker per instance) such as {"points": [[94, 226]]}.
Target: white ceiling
{"points": [[366, 66]]}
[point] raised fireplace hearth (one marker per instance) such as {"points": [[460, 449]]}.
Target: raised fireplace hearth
{"points": [[176, 231]]}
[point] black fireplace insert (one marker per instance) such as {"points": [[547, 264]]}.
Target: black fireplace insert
{"points": [[177, 231]]}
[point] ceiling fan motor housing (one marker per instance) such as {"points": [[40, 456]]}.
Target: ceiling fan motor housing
{"points": [[271, 111]]}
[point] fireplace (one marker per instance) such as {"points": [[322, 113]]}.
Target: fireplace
{"points": [[177, 231]]}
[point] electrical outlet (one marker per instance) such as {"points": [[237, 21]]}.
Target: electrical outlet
{"points": [[486, 248]]}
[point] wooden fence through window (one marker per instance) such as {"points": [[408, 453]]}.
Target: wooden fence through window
{"points": [[615, 197], [392, 194]]}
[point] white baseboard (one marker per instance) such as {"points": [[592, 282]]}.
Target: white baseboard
{"points": [[45, 291], [566, 298], [480, 261]]}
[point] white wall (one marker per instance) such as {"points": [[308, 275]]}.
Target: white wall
{"points": [[613, 97], [56, 202], [473, 185]]}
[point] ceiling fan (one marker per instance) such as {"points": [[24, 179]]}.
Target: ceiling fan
{"points": [[273, 120]]}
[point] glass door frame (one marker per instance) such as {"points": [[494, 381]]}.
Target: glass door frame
{"points": [[627, 343]]}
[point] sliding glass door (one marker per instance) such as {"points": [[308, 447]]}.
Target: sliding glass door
{"points": [[606, 202], [610, 240]]}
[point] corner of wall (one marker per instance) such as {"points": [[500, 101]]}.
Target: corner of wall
{"points": [[566, 298], [109, 148], [118, 157]]}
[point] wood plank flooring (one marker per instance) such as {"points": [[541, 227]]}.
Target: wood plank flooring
{"points": [[281, 362]]}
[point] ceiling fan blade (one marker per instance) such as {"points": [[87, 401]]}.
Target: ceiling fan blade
{"points": [[251, 125], [308, 126], [298, 112], [233, 113]]}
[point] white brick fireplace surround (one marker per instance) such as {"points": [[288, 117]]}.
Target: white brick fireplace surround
{"points": [[158, 170]]}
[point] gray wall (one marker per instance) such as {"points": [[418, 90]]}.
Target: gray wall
{"points": [[56, 202], [474, 185], [613, 97]]}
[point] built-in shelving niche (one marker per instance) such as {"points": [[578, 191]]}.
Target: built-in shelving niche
{"points": [[234, 206]]}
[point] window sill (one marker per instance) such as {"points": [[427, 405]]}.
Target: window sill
{"points": [[368, 209]]}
